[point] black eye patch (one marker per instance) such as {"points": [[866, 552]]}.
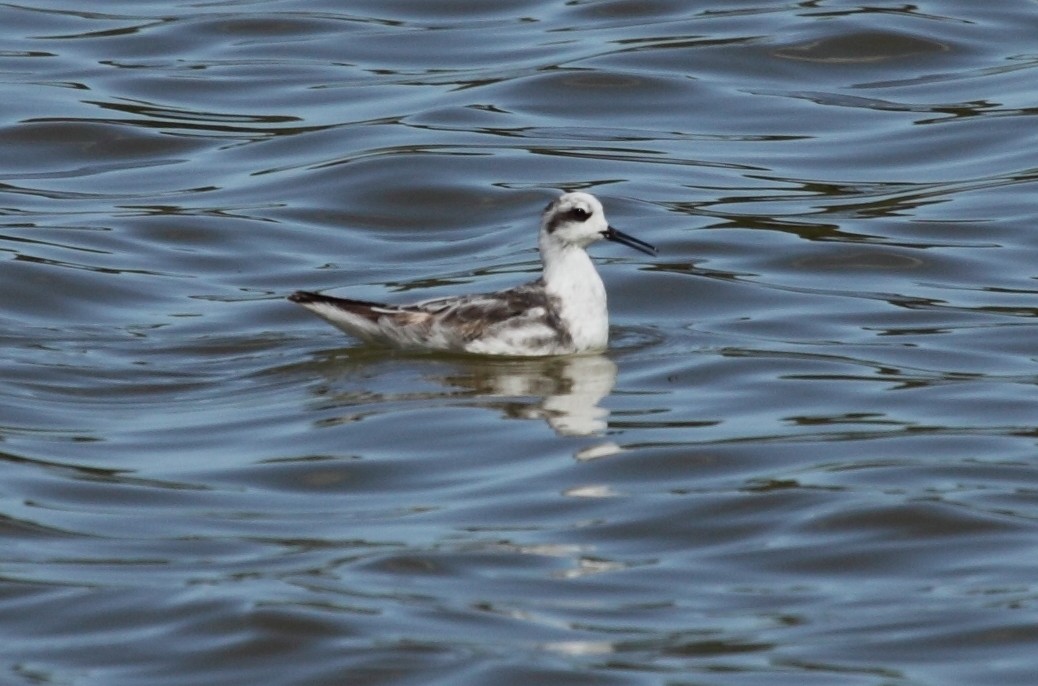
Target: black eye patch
{"points": [[579, 214]]}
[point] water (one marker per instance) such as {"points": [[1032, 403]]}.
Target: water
{"points": [[808, 458]]}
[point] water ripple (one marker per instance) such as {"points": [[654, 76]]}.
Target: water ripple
{"points": [[807, 457]]}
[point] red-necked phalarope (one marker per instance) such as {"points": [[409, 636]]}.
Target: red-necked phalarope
{"points": [[562, 313]]}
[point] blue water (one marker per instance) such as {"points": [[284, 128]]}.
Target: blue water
{"points": [[809, 456]]}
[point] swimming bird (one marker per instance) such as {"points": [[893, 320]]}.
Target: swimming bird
{"points": [[561, 313]]}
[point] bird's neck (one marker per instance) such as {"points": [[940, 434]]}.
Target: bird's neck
{"points": [[570, 276]]}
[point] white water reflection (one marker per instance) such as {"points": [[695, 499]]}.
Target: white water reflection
{"points": [[565, 392], [569, 390]]}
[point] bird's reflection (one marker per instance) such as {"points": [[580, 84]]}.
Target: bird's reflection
{"points": [[563, 391], [569, 390]]}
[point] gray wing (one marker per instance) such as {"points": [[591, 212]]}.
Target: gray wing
{"points": [[524, 317], [526, 312]]}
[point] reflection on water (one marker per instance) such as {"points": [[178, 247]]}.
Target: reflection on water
{"points": [[567, 391]]}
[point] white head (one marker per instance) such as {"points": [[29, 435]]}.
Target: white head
{"points": [[578, 220]]}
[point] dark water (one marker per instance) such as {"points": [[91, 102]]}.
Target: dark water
{"points": [[808, 458]]}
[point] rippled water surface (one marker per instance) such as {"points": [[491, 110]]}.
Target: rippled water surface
{"points": [[809, 456]]}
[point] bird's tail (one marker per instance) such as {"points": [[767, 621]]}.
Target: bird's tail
{"points": [[356, 317]]}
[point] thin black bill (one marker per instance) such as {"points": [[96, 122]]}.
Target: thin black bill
{"points": [[612, 234]]}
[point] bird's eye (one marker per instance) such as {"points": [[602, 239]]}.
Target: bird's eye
{"points": [[579, 213]]}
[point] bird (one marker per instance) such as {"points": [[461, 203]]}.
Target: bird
{"points": [[563, 312]]}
